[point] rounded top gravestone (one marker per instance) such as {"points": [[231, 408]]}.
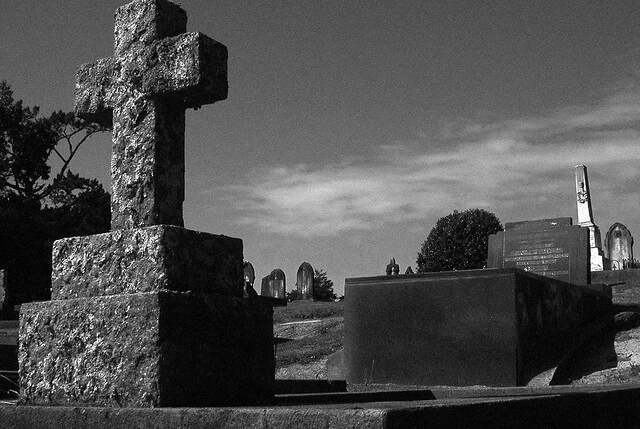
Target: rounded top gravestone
{"points": [[304, 282], [249, 273], [619, 245]]}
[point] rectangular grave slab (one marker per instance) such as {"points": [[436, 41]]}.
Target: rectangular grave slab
{"points": [[493, 327], [155, 349], [549, 247], [145, 260]]}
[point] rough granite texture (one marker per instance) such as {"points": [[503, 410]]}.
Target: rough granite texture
{"points": [[145, 260], [157, 72], [158, 349], [150, 314]]}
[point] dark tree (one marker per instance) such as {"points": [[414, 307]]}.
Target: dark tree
{"points": [[458, 241], [36, 209], [322, 287], [292, 295]]}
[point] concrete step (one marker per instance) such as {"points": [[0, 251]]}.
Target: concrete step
{"points": [[566, 407]]}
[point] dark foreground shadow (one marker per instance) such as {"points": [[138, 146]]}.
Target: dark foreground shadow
{"points": [[597, 352]]}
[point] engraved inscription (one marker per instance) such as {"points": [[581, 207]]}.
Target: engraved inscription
{"points": [[542, 252]]}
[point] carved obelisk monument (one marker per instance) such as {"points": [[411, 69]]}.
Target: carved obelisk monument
{"points": [[150, 314], [585, 218]]}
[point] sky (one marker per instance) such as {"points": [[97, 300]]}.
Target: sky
{"points": [[351, 127]]}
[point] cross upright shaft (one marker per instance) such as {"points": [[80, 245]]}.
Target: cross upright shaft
{"points": [[157, 71]]}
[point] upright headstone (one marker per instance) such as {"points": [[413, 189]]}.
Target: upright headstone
{"points": [[304, 282], [392, 268], [585, 219], [149, 314], [274, 285], [278, 284], [550, 247], [249, 279], [619, 246], [265, 287]]}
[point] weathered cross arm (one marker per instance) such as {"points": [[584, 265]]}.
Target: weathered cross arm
{"points": [[94, 93], [191, 67]]}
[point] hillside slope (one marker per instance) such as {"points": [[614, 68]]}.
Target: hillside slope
{"points": [[306, 334]]}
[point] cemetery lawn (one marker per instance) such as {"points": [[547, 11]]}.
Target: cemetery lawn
{"points": [[306, 334]]}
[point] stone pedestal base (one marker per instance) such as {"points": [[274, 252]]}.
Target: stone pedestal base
{"points": [[153, 349], [598, 261], [146, 260]]}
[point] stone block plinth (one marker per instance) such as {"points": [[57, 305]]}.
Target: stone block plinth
{"points": [[492, 327], [154, 349], [145, 260]]}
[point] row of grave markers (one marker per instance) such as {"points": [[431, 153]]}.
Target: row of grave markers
{"points": [[274, 285]]}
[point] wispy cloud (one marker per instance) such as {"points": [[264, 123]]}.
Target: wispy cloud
{"points": [[506, 163]]}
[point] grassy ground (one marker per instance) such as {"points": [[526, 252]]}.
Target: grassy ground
{"points": [[307, 310], [307, 333]]}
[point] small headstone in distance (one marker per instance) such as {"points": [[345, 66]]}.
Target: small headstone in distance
{"points": [[304, 284], [278, 284], [392, 268], [274, 287], [619, 246], [249, 275]]}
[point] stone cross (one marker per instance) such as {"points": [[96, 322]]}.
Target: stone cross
{"points": [[157, 71]]}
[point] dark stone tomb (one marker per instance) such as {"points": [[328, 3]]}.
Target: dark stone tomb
{"points": [[493, 327], [550, 247]]}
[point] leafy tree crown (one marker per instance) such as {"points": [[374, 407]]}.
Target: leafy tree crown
{"points": [[36, 209], [458, 241], [322, 287]]}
